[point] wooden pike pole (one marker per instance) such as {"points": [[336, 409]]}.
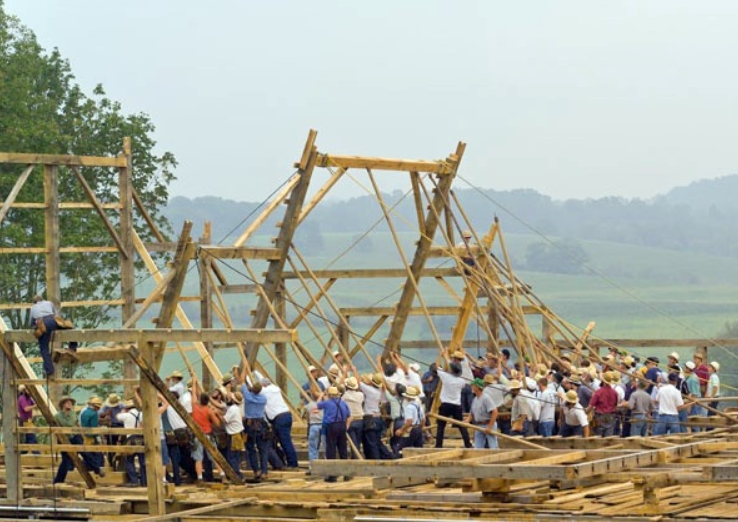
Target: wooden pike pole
{"points": [[495, 433]]}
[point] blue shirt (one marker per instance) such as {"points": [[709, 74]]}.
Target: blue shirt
{"points": [[253, 403], [334, 410]]}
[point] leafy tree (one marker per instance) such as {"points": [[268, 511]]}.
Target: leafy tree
{"points": [[43, 110]]}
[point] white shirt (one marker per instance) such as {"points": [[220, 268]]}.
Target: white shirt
{"points": [[413, 379], [397, 377], [179, 388], [575, 415], [130, 419], [42, 309], [497, 393], [547, 400], [466, 370], [186, 401], [712, 383], [373, 397], [451, 387], [233, 419], [669, 399], [175, 421], [275, 402], [533, 403]]}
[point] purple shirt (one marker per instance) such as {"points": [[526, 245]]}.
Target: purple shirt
{"points": [[23, 402]]}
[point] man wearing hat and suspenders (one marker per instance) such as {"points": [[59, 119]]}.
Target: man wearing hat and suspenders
{"points": [[604, 403], [410, 434], [574, 420]]}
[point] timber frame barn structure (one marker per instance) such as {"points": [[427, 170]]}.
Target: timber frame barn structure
{"points": [[288, 302]]}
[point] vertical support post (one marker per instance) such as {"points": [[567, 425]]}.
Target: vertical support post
{"points": [[127, 270], [206, 302], [152, 437], [280, 349], [547, 332], [13, 477], [53, 256], [493, 321]]}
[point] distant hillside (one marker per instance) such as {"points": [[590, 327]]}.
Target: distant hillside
{"points": [[700, 217]]}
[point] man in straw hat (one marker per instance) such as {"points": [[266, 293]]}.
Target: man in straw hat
{"points": [[520, 413], [410, 433], [89, 418], [713, 387], [701, 370], [67, 418], [574, 418], [372, 386], [234, 428], [336, 415], [174, 382], [483, 414], [354, 399], [132, 419], [604, 404]]}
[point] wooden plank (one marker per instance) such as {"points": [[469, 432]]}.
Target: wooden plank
{"points": [[62, 159], [78, 448], [371, 273], [210, 510], [240, 252], [403, 165], [14, 192], [14, 482], [130, 335], [564, 458]]}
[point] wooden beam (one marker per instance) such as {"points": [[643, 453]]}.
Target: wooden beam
{"points": [[371, 273], [14, 192], [13, 473], [62, 159], [402, 165], [240, 252], [163, 335]]}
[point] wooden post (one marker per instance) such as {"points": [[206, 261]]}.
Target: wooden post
{"points": [[127, 269], [206, 302], [273, 279], [53, 257], [280, 349], [13, 476]]}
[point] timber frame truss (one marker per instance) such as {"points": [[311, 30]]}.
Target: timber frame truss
{"points": [[297, 316]]}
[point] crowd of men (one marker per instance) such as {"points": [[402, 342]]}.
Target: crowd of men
{"points": [[380, 414]]}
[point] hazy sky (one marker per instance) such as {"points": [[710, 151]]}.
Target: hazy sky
{"points": [[571, 98]]}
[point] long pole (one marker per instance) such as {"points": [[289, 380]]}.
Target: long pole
{"points": [[495, 433]]}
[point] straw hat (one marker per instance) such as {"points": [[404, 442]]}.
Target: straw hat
{"points": [[65, 399], [530, 383], [227, 377], [574, 379], [334, 369], [515, 384], [689, 365], [95, 401], [333, 392], [571, 397], [112, 400], [715, 365], [490, 378], [238, 397], [628, 361], [312, 369], [21, 388], [377, 379], [412, 392], [699, 355], [176, 374], [352, 383], [674, 356], [129, 404], [466, 233], [457, 354]]}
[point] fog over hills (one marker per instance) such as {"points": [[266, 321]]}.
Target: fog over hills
{"points": [[700, 217]]}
